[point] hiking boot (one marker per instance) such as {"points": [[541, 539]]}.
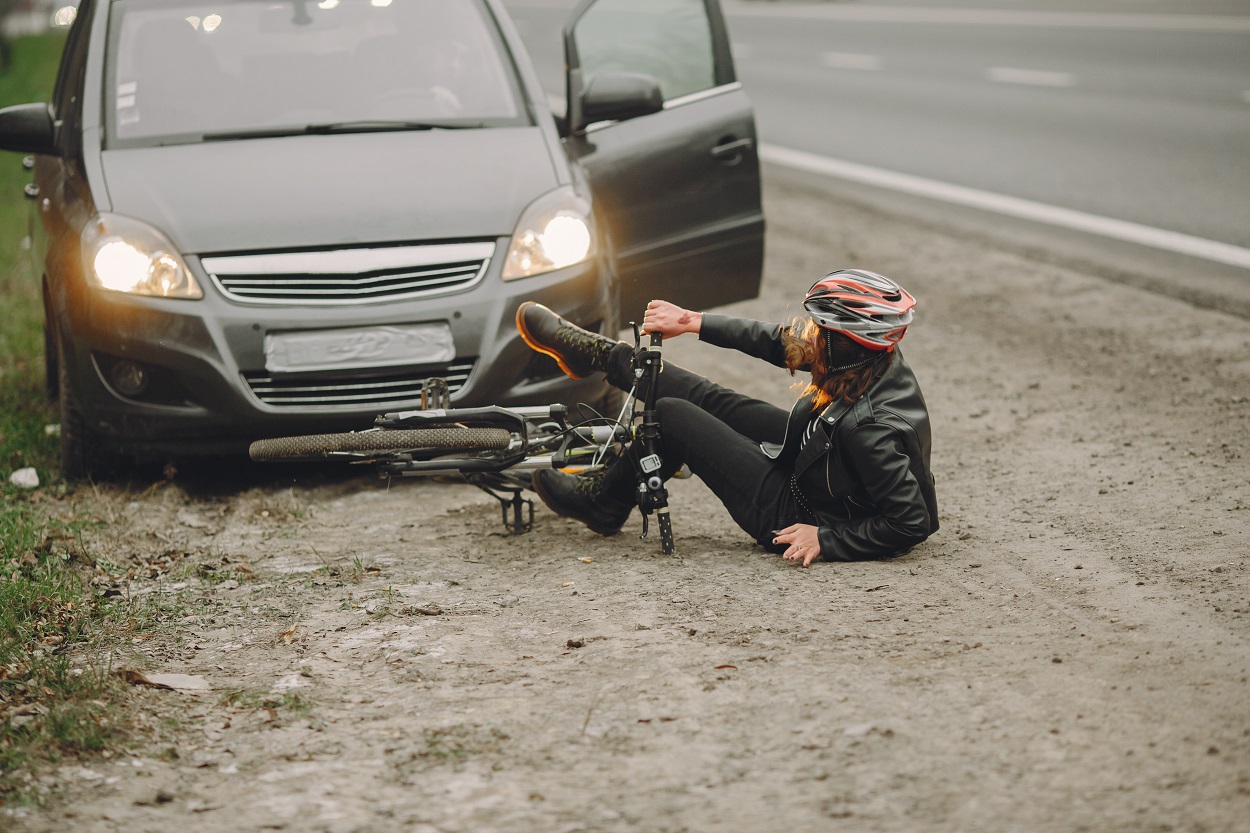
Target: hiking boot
{"points": [[578, 352], [602, 500]]}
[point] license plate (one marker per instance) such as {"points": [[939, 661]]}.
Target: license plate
{"points": [[358, 349]]}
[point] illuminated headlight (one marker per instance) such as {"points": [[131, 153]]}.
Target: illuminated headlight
{"points": [[125, 255], [555, 231]]}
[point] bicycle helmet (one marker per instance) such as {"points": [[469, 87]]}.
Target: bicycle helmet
{"points": [[868, 308]]}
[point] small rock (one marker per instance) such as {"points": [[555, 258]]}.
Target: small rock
{"points": [[575, 643], [26, 478], [188, 518], [860, 730]]}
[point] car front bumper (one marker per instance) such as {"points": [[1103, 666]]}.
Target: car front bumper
{"points": [[206, 355]]}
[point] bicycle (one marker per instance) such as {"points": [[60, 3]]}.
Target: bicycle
{"points": [[498, 448]]}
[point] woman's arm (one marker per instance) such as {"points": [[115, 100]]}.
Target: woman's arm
{"points": [[755, 338]]}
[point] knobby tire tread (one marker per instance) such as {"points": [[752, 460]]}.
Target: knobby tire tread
{"points": [[321, 446]]}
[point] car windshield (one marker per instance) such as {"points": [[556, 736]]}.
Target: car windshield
{"points": [[183, 70]]}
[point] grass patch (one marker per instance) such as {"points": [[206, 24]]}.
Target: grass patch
{"points": [[24, 410], [53, 704]]}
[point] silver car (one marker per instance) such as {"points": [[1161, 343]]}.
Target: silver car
{"points": [[264, 217]]}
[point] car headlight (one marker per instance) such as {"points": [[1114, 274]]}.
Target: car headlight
{"points": [[122, 254], [555, 231]]}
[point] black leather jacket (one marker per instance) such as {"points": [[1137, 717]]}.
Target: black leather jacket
{"points": [[864, 473]]}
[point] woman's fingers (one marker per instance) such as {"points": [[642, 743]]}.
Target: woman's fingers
{"points": [[802, 543]]}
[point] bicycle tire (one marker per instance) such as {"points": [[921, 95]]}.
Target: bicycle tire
{"points": [[369, 443]]}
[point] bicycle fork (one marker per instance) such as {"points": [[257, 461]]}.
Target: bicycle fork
{"points": [[652, 493]]}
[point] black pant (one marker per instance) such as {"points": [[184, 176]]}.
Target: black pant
{"points": [[717, 433]]}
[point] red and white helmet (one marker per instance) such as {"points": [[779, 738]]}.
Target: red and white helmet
{"points": [[868, 308]]}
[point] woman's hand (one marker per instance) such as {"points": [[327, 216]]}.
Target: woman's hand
{"points": [[670, 320], [804, 544]]}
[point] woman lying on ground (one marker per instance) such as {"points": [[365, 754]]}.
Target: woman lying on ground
{"points": [[843, 476]]}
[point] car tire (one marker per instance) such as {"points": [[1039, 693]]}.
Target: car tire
{"points": [[81, 457]]}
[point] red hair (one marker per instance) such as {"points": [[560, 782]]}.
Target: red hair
{"points": [[809, 350]]}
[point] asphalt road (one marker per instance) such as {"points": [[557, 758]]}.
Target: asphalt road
{"points": [[1135, 111]]}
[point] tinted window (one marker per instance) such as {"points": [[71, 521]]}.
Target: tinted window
{"points": [[180, 67], [668, 39]]}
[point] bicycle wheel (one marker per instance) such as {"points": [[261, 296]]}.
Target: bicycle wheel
{"points": [[378, 443]]}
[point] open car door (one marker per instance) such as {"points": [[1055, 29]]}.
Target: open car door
{"points": [[678, 188]]}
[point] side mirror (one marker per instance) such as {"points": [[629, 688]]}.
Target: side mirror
{"points": [[617, 96], [28, 128]]}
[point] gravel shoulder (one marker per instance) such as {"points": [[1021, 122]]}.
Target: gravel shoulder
{"points": [[1068, 653]]}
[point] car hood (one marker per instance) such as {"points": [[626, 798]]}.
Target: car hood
{"points": [[311, 191]]}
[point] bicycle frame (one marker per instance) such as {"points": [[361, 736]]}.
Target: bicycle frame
{"points": [[497, 449], [651, 494], [504, 473]]}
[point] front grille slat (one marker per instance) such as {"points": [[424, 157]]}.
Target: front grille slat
{"points": [[259, 282], [396, 389], [350, 276], [306, 289]]}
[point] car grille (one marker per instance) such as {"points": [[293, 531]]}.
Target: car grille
{"points": [[350, 276], [355, 392]]}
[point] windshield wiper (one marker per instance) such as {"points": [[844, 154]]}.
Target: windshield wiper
{"points": [[362, 126]]}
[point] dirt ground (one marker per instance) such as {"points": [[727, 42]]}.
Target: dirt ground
{"points": [[1068, 653]]}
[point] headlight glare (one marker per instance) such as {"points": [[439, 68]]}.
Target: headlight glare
{"points": [[555, 231], [125, 255]]}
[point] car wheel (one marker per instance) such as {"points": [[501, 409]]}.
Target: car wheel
{"points": [[51, 382], [81, 457]]}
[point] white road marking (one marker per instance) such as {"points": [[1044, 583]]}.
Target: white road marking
{"points": [[849, 60], [1030, 77], [1011, 206], [988, 17]]}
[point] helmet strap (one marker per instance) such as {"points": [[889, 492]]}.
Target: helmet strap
{"points": [[852, 366], [830, 360]]}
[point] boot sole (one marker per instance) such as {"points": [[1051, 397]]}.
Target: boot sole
{"points": [[606, 532], [540, 348]]}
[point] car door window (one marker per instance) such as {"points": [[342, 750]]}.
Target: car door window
{"points": [[670, 40]]}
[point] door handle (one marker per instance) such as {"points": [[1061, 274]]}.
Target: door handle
{"points": [[31, 190], [731, 149]]}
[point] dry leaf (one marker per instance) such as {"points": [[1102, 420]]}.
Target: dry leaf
{"points": [[172, 682]]}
